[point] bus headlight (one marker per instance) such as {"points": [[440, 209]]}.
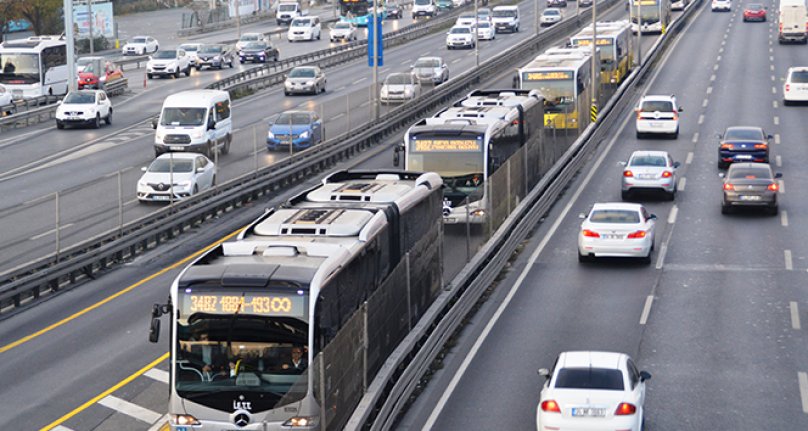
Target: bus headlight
{"points": [[478, 213], [184, 420], [302, 421]]}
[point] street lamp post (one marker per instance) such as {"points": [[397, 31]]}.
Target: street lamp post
{"points": [[538, 24], [639, 31], [71, 44], [375, 58], [90, 25], [595, 65], [476, 34]]}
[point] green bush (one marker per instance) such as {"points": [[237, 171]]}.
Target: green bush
{"points": [[100, 43]]}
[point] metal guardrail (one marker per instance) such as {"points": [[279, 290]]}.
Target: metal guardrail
{"points": [[389, 392], [53, 272]]}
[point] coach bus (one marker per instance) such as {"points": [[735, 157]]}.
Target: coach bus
{"points": [[566, 84], [360, 12], [33, 67], [616, 55], [468, 142], [250, 315], [650, 16]]}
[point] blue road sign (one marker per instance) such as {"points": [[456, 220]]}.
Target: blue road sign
{"points": [[375, 33]]}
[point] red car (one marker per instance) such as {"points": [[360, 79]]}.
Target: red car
{"points": [[97, 73], [754, 12]]}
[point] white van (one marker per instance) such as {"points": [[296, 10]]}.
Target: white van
{"points": [[197, 121], [793, 18], [424, 8], [505, 18]]}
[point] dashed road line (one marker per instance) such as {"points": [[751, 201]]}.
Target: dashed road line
{"points": [[789, 261], [782, 186], [456, 60], [779, 161], [689, 158], [774, 90], [695, 139], [673, 213], [338, 116], [359, 80], [712, 78], [157, 374], [771, 66], [784, 218], [49, 232], [771, 58], [776, 119], [777, 138], [774, 104], [663, 250], [773, 79], [703, 103], [681, 185], [709, 89], [130, 409], [701, 119], [795, 315], [715, 66], [646, 310], [718, 58], [803, 381]]}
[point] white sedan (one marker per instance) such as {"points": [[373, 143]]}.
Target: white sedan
{"points": [[191, 173], [140, 45], [486, 31], [5, 100], [342, 31], [550, 16], [592, 391], [616, 230], [84, 107]]}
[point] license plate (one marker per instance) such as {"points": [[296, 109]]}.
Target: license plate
{"points": [[175, 148], [160, 198], [743, 157], [656, 124], [611, 236], [646, 176], [750, 198], [449, 220], [588, 412]]}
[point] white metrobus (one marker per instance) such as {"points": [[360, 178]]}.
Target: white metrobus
{"points": [[33, 67], [653, 16]]}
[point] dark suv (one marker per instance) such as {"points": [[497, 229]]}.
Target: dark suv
{"points": [[743, 144]]}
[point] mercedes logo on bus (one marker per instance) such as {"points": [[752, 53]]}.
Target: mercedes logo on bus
{"points": [[447, 207], [241, 419]]}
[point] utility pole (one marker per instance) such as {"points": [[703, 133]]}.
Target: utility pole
{"points": [[639, 31], [538, 18], [238, 18], [71, 44], [476, 34], [375, 58], [595, 64], [90, 25]]}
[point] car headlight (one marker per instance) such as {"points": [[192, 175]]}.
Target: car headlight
{"points": [[217, 58], [309, 82], [478, 213], [408, 91], [184, 420], [160, 135], [183, 184], [384, 91], [302, 421], [198, 134], [304, 135], [141, 184], [270, 135]]}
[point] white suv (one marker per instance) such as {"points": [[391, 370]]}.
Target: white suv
{"points": [[84, 107], [424, 8], [795, 88], [307, 28], [460, 37], [721, 5], [658, 115], [170, 62]]}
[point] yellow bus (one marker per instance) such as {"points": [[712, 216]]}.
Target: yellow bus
{"points": [[616, 55], [565, 82]]}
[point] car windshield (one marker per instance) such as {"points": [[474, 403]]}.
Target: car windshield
{"points": [[211, 49], [423, 2], [183, 117], [427, 63], [165, 54], [249, 37], [83, 62], [139, 40], [255, 45], [302, 72], [484, 24], [461, 30], [614, 216], [749, 173], [504, 14], [293, 118], [80, 98], [287, 7], [19, 68], [398, 79], [301, 23], [189, 48], [342, 25], [657, 105], [755, 7], [170, 164], [799, 76], [648, 161], [589, 378], [744, 135], [551, 12]]}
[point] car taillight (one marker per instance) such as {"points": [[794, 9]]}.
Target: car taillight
{"points": [[550, 406], [773, 187], [639, 114], [761, 146], [781, 27], [675, 116], [728, 186], [628, 173], [625, 409], [788, 87], [727, 146], [590, 234], [667, 174], [637, 234]]}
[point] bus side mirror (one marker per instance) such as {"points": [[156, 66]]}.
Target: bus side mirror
{"points": [[397, 156], [154, 123], [154, 330]]}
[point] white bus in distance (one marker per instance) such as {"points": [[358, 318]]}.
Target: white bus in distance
{"points": [[34, 67]]}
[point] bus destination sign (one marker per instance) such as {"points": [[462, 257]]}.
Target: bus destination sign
{"points": [[547, 76], [446, 145], [588, 42], [273, 304]]}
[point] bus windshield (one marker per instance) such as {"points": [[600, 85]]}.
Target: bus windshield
{"points": [[19, 68], [559, 94], [649, 13], [355, 8], [240, 343]]}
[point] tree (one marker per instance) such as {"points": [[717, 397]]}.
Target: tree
{"points": [[45, 16]]}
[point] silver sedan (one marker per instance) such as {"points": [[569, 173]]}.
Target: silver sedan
{"points": [[304, 79], [649, 171]]}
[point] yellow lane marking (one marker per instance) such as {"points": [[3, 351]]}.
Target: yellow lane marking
{"points": [[98, 304], [95, 399]]}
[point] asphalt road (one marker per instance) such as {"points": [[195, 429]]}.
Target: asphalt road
{"points": [[715, 318], [80, 352]]}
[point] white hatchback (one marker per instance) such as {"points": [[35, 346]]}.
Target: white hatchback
{"points": [[721, 5], [306, 28], [795, 88], [180, 174], [592, 391], [658, 115], [486, 31], [616, 230], [84, 107]]}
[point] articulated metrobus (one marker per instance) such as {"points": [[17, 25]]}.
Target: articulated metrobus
{"points": [[33, 67], [566, 84], [653, 15], [468, 142], [360, 12], [616, 55], [250, 315]]}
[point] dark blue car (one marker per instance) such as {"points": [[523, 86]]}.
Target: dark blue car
{"points": [[743, 144], [301, 129]]}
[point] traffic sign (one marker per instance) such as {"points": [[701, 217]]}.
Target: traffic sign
{"points": [[375, 33]]}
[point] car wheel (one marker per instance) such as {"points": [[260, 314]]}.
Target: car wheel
{"points": [[97, 122], [786, 102], [725, 209], [640, 135], [149, 76], [196, 190], [646, 260], [323, 89], [285, 93], [60, 125], [676, 134], [583, 258], [188, 71], [177, 74], [230, 64], [108, 119], [625, 195], [226, 148], [209, 150], [213, 181], [198, 68], [671, 195]]}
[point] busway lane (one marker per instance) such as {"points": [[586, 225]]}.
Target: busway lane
{"points": [[135, 333], [496, 392], [93, 171]]}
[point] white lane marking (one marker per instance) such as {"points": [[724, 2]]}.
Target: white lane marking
{"points": [[682, 183], [724, 42], [359, 80], [782, 184], [774, 90], [721, 49], [433, 417], [771, 58], [663, 250], [62, 427], [695, 139], [402, 63], [672, 215], [776, 118], [712, 78], [803, 379], [426, 54], [715, 67], [157, 374], [771, 66], [795, 315], [646, 310], [709, 89], [789, 262], [701, 119], [363, 104], [49, 232], [772, 77], [774, 102], [337, 89], [719, 58], [340, 115], [777, 138], [703, 103], [779, 161], [784, 218], [456, 60], [689, 159], [129, 409]]}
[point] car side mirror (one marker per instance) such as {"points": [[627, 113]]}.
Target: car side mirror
{"points": [[652, 217], [645, 375], [622, 163], [211, 125], [769, 137], [676, 164], [154, 123], [144, 169], [778, 175], [722, 175], [681, 109], [154, 330], [200, 170], [582, 216], [544, 372]]}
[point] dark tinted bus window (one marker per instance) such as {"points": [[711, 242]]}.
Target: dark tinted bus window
{"points": [[589, 378]]}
